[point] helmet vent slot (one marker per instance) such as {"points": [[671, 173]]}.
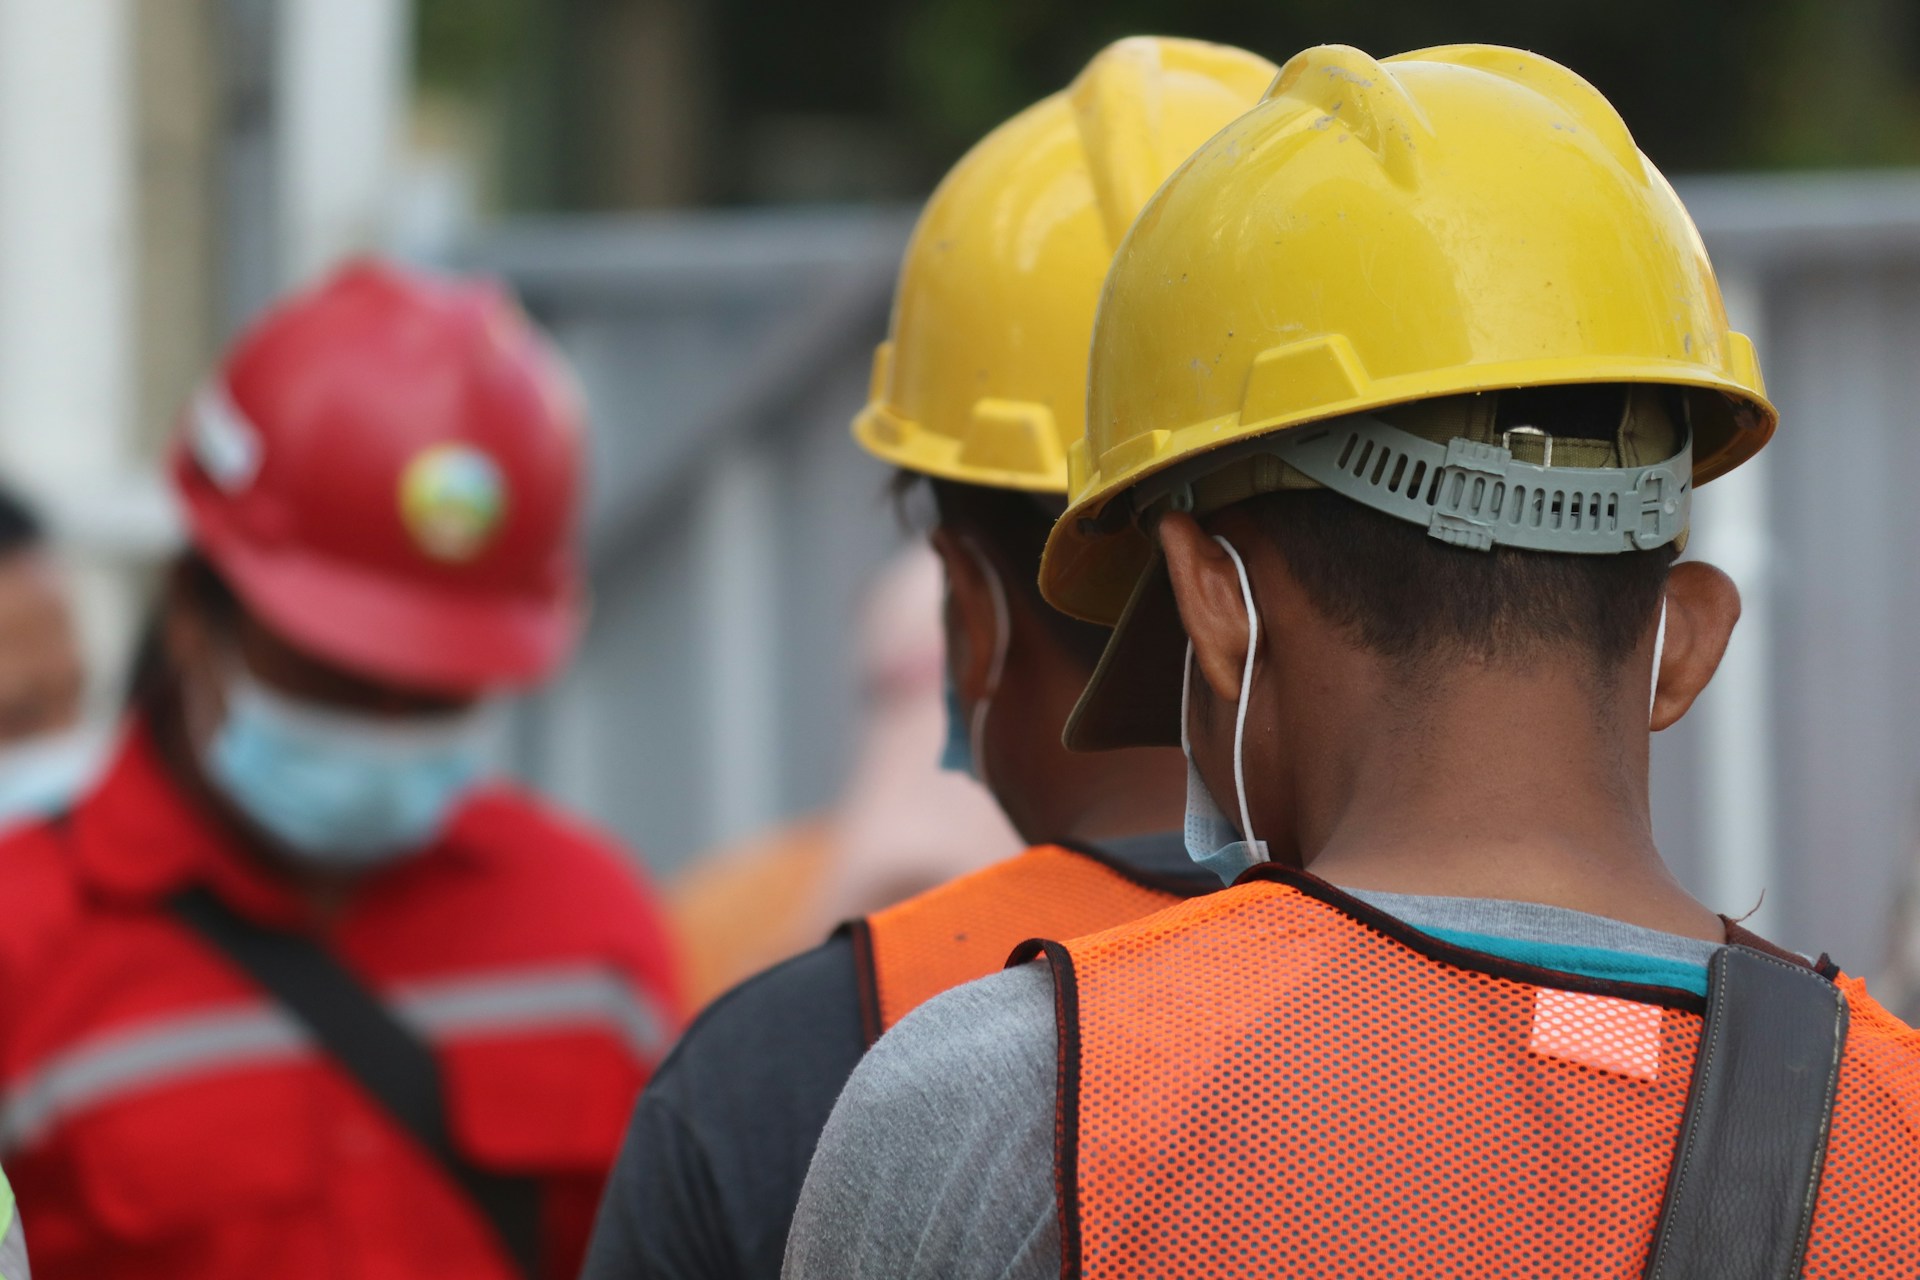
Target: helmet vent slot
{"points": [[1380, 466]]}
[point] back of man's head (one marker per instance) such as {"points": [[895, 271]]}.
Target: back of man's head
{"points": [[1422, 603]]}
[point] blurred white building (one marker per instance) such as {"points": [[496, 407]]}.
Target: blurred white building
{"points": [[165, 167]]}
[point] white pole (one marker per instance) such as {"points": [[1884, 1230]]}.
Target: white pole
{"points": [[1736, 810], [738, 539], [67, 269], [340, 101], [66, 236]]}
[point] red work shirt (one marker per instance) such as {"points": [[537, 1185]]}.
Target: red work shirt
{"points": [[161, 1117]]}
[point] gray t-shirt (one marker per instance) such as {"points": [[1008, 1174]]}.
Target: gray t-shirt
{"points": [[937, 1163]]}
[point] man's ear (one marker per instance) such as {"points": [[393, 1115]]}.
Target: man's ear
{"points": [[971, 621], [1702, 607], [1206, 586]]}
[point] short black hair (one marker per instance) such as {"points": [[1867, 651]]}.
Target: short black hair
{"points": [[1414, 599], [20, 526], [1012, 526]]}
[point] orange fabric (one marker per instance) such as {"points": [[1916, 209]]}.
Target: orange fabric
{"points": [[1277, 1080], [1870, 1185], [747, 908], [964, 929]]}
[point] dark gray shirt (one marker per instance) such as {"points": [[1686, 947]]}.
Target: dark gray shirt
{"points": [[937, 1163]]}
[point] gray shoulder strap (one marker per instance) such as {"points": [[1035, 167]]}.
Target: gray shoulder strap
{"points": [[1746, 1172]]}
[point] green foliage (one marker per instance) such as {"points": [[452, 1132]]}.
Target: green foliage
{"points": [[468, 46], [1704, 84]]}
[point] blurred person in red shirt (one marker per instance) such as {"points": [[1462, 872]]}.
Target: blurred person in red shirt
{"points": [[297, 990]]}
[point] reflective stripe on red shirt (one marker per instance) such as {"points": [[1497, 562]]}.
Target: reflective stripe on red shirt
{"points": [[161, 1118]]}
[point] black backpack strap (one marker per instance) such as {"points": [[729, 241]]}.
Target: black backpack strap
{"points": [[384, 1057], [1746, 1172]]}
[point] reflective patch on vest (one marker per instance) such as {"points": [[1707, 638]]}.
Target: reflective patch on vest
{"points": [[444, 1011], [1602, 1032], [561, 998]]}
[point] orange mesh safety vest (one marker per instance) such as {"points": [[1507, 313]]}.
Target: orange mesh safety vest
{"points": [[963, 930], [1279, 1080]]}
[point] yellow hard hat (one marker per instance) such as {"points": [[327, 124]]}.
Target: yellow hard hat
{"points": [[983, 375], [1446, 222]]}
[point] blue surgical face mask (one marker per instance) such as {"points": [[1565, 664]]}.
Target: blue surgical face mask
{"points": [[1212, 839], [966, 734], [340, 789], [956, 755]]}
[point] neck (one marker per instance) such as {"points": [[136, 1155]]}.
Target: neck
{"points": [[1089, 798], [1051, 793], [1501, 785], [1133, 792]]}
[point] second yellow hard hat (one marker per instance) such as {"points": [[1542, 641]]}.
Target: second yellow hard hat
{"points": [[982, 378]]}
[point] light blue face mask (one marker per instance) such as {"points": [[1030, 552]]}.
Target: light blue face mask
{"points": [[956, 755], [342, 790], [1211, 838], [961, 752]]}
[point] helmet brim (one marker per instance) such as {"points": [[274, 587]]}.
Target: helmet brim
{"points": [[399, 633], [1133, 697]]}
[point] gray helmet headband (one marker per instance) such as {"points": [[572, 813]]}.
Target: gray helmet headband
{"points": [[1468, 493]]}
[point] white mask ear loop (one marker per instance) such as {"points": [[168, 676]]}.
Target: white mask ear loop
{"points": [[1002, 641], [1254, 845], [1659, 648], [1186, 685]]}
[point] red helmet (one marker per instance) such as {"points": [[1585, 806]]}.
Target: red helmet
{"points": [[385, 472]]}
